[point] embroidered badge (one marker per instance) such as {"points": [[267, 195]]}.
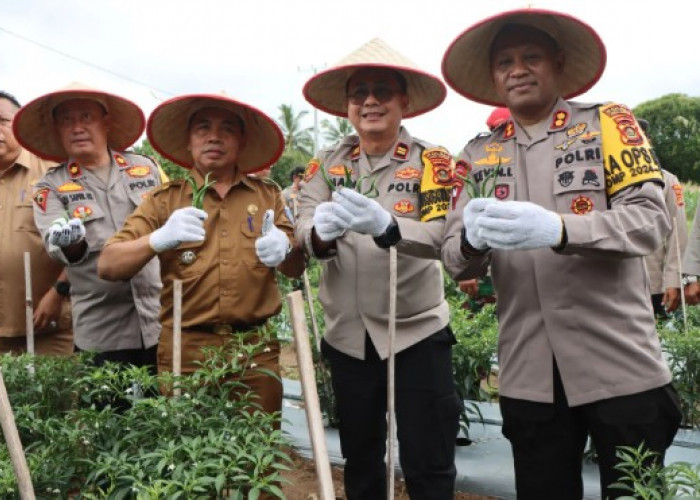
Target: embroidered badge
{"points": [[509, 130], [565, 179], [407, 173], [577, 129], [678, 189], [188, 257], [401, 151], [627, 127], [139, 171], [404, 206], [589, 137], [462, 169], [559, 119], [339, 170], [501, 191], [440, 161], [70, 187], [41, 197], [590, 177], [311, 169], [565, 145], [355, 154], [74, 170], [492, 155], [82, 212], [121, 161], [581, 205]]}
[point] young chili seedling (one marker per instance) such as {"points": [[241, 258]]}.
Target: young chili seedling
{"points": [[199, 192], [372, 192]]}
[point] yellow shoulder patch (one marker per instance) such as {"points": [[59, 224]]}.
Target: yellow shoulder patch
{"points": [[627, 155], [436, 183]]}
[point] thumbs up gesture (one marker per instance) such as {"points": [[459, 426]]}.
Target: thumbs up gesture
{"points": [[273, 246]]}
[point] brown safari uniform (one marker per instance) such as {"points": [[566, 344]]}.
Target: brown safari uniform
{"points": [[107, 316], [226, 290], [18, 234], [663, 265], [354, 290]]}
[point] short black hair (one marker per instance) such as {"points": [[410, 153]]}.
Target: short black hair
{"points": [[400, 79], [516, 28], [11, 98], [296, 172]]}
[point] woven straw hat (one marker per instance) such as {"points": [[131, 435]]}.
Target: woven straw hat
{"points": [[34, 127], [167, 130], [326, 90], [467, 68]]}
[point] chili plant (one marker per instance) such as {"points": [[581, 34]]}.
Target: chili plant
{"points": [[371, 192], [488, 185], [199, 192]]}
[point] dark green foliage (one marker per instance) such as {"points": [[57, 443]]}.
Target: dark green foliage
{"points": [[172, 170], [674, 129]]}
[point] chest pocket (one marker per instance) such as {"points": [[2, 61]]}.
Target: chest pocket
{"points": [[580, 189], [403, 199], [23, 219], [137, 186], [247, 241]]}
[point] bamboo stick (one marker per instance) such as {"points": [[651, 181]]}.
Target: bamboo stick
{"points": [[177, 336], [391, 390], [14, 445], [29, 309]]}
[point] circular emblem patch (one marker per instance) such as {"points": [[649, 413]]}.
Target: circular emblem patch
{"points": [[581, 205], [187, 257]]}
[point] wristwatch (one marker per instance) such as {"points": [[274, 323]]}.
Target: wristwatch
{"points": [[62, 288], [688, 279]]}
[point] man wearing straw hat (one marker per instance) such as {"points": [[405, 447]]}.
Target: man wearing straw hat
{"points": [[664, 265], [19, 171], [225, 252], [350, 232], [571, 202], [80, 203]]}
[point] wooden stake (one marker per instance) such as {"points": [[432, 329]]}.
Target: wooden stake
{"points": [[177, 336], [14, 445], [680, 275], [311, 402], [312, 311], [29, 309], [391, 390]]}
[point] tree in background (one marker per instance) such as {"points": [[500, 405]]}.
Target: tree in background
{"points": [[674, 126], [333, 132], [296, 137], [282, 169], [172, 170]]}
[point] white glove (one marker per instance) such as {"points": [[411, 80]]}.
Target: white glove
{"points": [[368, 216], [183, 225], [64, 233], [470, 215], [331, 220], [515, 225], [273, 246]]}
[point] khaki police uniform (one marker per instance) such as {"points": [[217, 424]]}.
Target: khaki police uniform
{"points": [[18, 234], [413, 180], [107, 316], [596, 288], [354, 289], [663, 265], [226, 291], [691, 258]]}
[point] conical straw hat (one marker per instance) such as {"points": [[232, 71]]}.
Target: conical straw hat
{"points": [[35, 130], [167, 130], [466, 65], [326, 90]]}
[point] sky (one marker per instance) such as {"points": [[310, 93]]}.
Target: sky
{"points": [[263, 51]]}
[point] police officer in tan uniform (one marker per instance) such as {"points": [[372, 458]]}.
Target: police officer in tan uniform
{"points": [[19, 171], [663, 265], [572, 202], [350, 232], [225, 253], [80, 203]]}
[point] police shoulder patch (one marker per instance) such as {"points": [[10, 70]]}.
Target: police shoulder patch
{"points": [[627, 155]]}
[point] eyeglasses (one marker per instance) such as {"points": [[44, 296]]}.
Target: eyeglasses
{"points": [[381, 93]]}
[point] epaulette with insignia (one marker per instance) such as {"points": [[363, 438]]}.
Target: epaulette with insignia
{"points": [[478, 136]]}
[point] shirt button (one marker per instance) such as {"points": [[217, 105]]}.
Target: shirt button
{"points": [[224, 293], [223, 233], [224, 262]]}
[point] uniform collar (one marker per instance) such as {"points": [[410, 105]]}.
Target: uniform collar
{"points": [[75, 171], [558, 119], [400, 151], [24, 159]]}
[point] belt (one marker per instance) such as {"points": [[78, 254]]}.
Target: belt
{"points": [[225, 328]]}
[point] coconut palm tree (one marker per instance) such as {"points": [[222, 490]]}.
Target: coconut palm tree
{"points": [[334, 131], [296, 138]]}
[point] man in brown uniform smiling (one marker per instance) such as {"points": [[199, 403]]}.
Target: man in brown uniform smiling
{"points": [[226, 252], [573, 202]]}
